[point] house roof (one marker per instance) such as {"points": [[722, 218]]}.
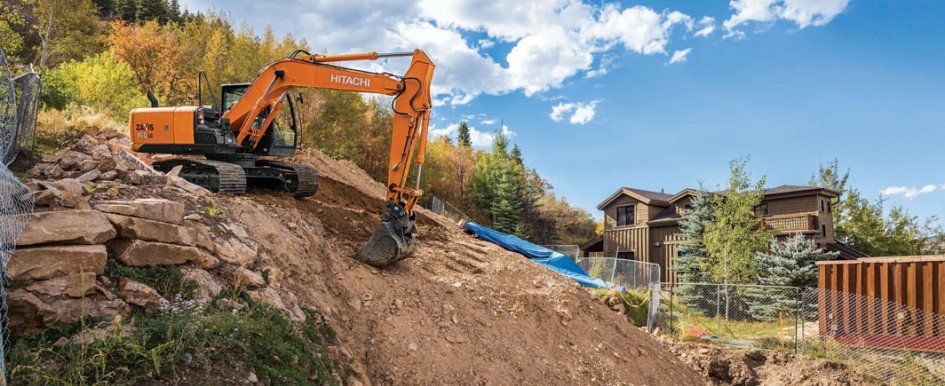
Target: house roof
{"points": [[668, 215], [665, 199], [645, 196], [592, 243]]}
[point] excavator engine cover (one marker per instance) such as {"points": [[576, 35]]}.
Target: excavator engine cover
{"points": [[392, 240]]}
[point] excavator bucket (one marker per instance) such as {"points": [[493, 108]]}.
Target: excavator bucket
{"points": [[392, 240]]}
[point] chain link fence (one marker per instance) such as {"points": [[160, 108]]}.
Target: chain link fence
{"points": [[27, 89], [569, 250], [16, 200], [441, 207], [892, 341], [630, 274]]}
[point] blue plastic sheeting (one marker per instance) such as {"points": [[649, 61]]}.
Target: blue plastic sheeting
{"points": [[539, 254]]}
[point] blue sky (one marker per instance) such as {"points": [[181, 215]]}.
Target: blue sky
{"points": [[662, 94]]}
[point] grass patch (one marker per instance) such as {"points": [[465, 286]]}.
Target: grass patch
{"points": [[167, 280], [58, 129], [208, 344]]}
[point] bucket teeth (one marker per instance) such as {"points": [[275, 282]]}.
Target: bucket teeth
{"points": [[392, 240]]}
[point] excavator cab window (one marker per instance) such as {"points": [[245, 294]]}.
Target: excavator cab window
{"points": [[231, 93], [286, 125]]}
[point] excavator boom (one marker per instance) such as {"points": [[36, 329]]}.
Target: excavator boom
{"points": [[232, 142]]}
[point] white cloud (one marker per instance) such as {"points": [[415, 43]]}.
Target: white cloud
{"points": [[706, 26], [478, 138], [909, 192], [580, 113], [488, 122], [551, 41], [679, 56], [803, 13]]}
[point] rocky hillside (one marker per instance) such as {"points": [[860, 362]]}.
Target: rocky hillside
{"points": [[113, 240]]}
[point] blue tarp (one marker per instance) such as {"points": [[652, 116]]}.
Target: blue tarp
{"points": [[539, 254]]}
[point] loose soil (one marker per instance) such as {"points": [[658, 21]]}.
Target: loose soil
{"points": [[459, 311]]}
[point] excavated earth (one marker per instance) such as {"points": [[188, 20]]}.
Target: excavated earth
{"points": [[459, 311]]}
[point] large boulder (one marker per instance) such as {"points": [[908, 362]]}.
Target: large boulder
{"points": [[140, 294], [236, 252], [40, 263], [150, 230], [67, 227], [139, 253], [206, 288], [75, 285], [147, 208], [28, 312]]}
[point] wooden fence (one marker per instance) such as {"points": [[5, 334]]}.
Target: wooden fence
{"points": [[890, 302]]}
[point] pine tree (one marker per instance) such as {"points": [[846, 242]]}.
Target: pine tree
{"points": [[127, 10], [152, 10], [462, 135], [516, 155], [506, 209], [691, 265], [790, 263], [173, 11]]}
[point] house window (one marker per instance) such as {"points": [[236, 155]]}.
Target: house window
{"points": [[823, 230], [680, 253], [625, 215], [688, 208], [762, 209], [626, 255], [823, 207], [829, 208]]}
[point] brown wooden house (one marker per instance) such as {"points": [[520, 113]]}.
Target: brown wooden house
{"points": [[643, 225]]}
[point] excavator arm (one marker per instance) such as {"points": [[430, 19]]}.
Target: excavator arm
{"points": [[393, 238]]}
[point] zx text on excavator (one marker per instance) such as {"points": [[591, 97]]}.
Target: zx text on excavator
{"points": [[236, 132]]}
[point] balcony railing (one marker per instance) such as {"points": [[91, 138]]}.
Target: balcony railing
{"points": [[805, 222]]}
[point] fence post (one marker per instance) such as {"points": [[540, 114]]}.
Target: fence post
{"points": [[654, 307], [797, 317], [614, 271], [672, 294], [718, 310]]}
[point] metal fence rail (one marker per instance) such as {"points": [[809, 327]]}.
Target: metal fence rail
{"points": [[631, 274], [27, 89], [441, 207], [892, 341]]}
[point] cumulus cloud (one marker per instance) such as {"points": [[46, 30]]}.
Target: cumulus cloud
{"points": [[478, 138], [575, 112], [803, 13], [679, 56], [910, 192], [550, 41]]}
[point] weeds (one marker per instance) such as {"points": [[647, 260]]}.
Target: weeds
{"points": [[199, 341], [211, 208], [167, 280], [57, 129]]}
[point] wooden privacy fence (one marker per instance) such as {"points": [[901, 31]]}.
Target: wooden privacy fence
{"points": [[884, 302]]}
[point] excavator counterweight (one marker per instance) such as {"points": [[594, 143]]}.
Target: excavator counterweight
{"points": [[238, 134]]}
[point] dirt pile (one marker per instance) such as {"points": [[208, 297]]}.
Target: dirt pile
{"points": [[749, 367], [460, 311]]}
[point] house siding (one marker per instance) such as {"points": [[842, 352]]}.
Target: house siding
{"points": [[659, 244]]}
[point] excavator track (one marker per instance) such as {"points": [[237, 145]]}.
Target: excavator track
{"points": [[301, 180], [216, 176]]}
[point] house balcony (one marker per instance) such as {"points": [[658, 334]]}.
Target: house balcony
{"points": [[792, 223]]}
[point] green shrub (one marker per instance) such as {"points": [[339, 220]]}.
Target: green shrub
{"points": [[167, 280], [102, 82]]}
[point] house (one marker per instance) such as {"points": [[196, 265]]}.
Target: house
{"points": [[643, 225]]}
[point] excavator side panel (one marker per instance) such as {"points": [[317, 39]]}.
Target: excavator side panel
{"points": [[162, 126]]}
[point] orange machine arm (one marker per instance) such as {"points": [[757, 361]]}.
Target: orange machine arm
{"points": [[411, 105]]}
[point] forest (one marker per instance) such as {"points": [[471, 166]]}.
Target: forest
{"points": [[107, 54]]}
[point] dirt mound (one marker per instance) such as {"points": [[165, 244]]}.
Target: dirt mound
{"points": [[748, 367], [459, 311]]}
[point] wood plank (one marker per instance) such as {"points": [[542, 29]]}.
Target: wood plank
{"points": [[927, 299], [884, 314]]}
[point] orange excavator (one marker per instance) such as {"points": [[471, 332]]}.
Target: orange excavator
{"points": [[238, 136]]}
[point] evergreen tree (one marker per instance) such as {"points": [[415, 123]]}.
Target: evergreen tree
{"points": [[152, 10], [506, 209], [173, 11], [127, 10], [516, 155], [462, 135], [106, 8], [691, 265], [790, 263]]}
